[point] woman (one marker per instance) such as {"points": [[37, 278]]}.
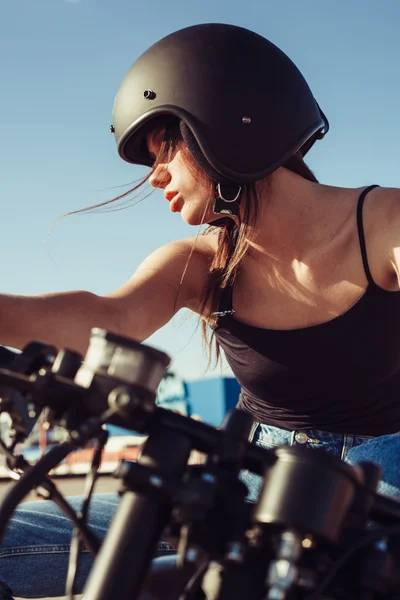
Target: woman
{"points": [[298, 282]]}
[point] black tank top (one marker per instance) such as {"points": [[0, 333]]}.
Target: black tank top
{"points": [[341, 376]]}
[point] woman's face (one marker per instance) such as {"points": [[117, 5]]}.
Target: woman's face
{"points": [[187, 189]]}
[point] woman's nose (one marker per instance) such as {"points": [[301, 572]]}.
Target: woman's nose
{"points": [[160, 176]]}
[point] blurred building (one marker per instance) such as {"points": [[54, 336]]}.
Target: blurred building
{"points": [[207, 400], [212, 398]]}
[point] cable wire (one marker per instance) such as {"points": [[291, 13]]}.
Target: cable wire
{"points": [[82, 516], [371, 537]]}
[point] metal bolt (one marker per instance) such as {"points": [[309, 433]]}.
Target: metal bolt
{"points": [[31, 410], [156, 480], [276, 594], [381, 545], [254, 536], [119, 399], [307, 542], [112, 128], [246, 120], [123, 399], [149, 94], [191, 555], [235, 552], [208, 477], [289, 546]]}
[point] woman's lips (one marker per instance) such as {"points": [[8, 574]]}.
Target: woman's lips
{"points": [[173, 205], [172, 198]]}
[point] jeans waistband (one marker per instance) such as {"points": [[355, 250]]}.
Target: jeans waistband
{"points": [[269, 436]]}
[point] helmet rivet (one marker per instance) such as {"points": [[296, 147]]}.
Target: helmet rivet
{"points": [[112, 128], [246, 120], [149, 94]]}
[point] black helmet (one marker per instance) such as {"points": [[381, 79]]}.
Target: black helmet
{"points": [[244, 107]]}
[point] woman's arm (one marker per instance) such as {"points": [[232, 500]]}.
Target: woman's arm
{"points": [[140, 307]]}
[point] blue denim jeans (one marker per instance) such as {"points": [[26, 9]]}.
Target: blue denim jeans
{"points": [[383, 450], [34, 557]]}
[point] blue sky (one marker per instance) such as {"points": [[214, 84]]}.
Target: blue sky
{"points": [[61, 63]]}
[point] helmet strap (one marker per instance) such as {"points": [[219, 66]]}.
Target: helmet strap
{"points": [[227, 199]]}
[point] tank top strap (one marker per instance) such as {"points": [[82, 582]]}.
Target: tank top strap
{"points": [[225, 307], [361, 235], [225, 303]]}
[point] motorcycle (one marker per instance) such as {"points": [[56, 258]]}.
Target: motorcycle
{"points": [[342, 543]]}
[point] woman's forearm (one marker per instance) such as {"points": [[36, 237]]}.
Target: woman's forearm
{"points": [[62, 319]]}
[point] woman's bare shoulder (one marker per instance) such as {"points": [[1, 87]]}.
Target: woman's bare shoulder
{"points": [[196, 249], [391, 199], [199, 248], [384, 229], [200, 251], [183, 264], [385, 206], [205, 244]]}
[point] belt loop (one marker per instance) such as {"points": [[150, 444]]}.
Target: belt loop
{"points": [[253, 430], [348, 441]]}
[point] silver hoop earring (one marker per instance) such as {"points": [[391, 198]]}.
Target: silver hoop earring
{"points": [[227, 199]]}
